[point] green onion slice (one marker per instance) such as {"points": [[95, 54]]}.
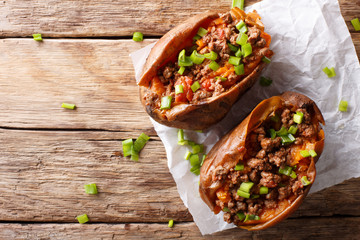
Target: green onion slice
{"points": [[254, 196], [312, 153], [223, 79], [232, 47], [186, 63], [180, 134], [214, 66], [287, 139], [293, 129], [134, 154], [68, 106], [240, 25], [305, 181], [243, 194], [181, 70], [197, 58], [239, 167], [282, 132], [127, 146], [234, 60], [246, 217], [194, 160], [272, 133], [198, 148], [187, 155], [293, 175], [37, 37], [203, 159], [238, 3], [246, 49], [179, 89], [91, 188], [138, 36], [286, 170], [239, 70], [329, 72], [240, 215], [196, 37], [195, 170], [182, 55], [140, 142], [246, 186], [265, 81], [298, 117], [238, 53], [264, 190], [202, 32], [171, 223], [211, 55], [242, 39], [356, 24], [305, 153], [195, 86], [266, 59], [343, 105], [166, 102], [82, 218], [243, 29]]}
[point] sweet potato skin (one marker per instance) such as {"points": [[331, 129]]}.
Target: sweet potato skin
{"points": [[189, 116], [226, 152]]}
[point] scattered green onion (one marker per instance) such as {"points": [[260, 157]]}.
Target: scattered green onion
{"points": [[264, 190], [180, 135], [181, 70], [91, 188], [266, 59], [194, 160], [196, 57], [68, 105], [140, 142], [242, 39], [202, 32], [223, 79], [196, 37], [171, 223], [293, 129], [343, 105], [265, 81], [287, 139], [275, 118], [293, 175], [198, 148], [187, 155], [272, 133], [202, 160], [239, 70], [214, 66], [238, 53], [195, 170], [243, 29], [254, 217], [179, 89], [356, 24], [239, 167], [305, 153], [240, 25], [182, 55], [243, 194], [282, 132], [286, 170], [225, 209], [195, 86], [246, 218], [312, 153], [186, 63], [82, 218], [329, 72], [37, 37], [254, 196], [298, 117], [305, 181], [246, 186], [234, 60], [211, 55], [166, 102], [232, 47], [246, 49], [134, 154], [127, 146], [138, 36], [238, 3], [240, 215]]}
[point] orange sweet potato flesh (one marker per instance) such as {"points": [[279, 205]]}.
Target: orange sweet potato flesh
{"points": [[203, 114], [226, 153]]}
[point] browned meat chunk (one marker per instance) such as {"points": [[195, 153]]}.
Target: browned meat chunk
{"points": [[270, 180]]}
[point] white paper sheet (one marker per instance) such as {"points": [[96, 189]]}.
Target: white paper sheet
{"points": [[306, 37]]}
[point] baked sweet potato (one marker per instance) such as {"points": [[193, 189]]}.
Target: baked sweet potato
{"points": [[199, 69], [261, 171]]}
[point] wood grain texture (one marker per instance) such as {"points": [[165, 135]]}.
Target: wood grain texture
{"points": [[322, 228]]}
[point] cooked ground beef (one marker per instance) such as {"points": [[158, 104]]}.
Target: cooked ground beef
{"points": [[264, 157]]}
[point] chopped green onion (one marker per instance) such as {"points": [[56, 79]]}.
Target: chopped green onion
{"points": [[256, 217], [246, 186], [293, 175], [305, 181], [312, 153], [182, 55], [194, 160], [202, 160], [187, 155], [239, 70], [221, 78], [265, 81], [186, 63], [196, 57], [238, 53], [140, 142], [134, 154], [298, 117], [329, 72], [238, 3], [171, 223], [272, 133], [275, 118], [225, 209], [202, 32], [247, 217], [180, 135], [196, 37], [127, 146], [240, 215], [195, 170], [293, 129], [195, 86], [198, 148], [240, 24], [37, 37], [68, 105], [287, 139], [266, 59], [232, 47], [234, 60], [239, 167], [356, 24], [286, 170], [82, 218], [305, 153], [91, 188], [254, 196], [214, 66], [181, 70], [246, 49], [166, 102], [264, 190], [242, 39], [243, 194], [211, 55], [243, 29], [282, 132], [343, 105], [179, 89]]}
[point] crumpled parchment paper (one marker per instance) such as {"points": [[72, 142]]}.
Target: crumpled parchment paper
{"points": [[306, 37]]}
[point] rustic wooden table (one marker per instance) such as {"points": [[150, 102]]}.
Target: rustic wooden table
{"points": [[48, 153]]}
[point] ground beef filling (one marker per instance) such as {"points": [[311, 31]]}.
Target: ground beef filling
{"points": [[217, 39], [263, 159]]}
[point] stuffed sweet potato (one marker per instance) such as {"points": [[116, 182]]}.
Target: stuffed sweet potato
{"points": [[198, 70], [261, 171]]}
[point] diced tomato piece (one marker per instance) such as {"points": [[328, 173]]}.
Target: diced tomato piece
{"points": [[187, 95], [157, 86], [206, 84]]}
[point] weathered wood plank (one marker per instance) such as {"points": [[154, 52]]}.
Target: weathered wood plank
{"points": [[42, 174], [68, 18], [308, 228]]}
